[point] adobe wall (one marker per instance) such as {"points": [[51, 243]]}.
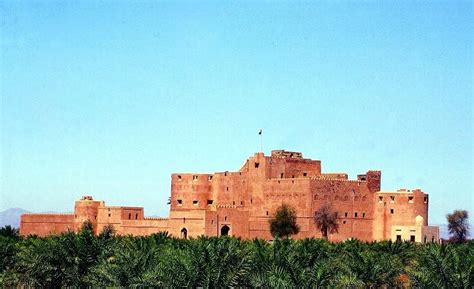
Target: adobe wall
{"points": [[399, 208], [46, 224]]}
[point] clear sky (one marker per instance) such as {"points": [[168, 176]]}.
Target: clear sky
{"points": [[109, 98]]}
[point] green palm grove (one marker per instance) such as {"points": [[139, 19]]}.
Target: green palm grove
{"points": [[84, 260]]}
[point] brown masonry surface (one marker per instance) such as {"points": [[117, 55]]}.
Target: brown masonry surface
{"points": [[241, 203]]}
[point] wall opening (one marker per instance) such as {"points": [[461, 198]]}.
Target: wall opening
{"points": [[425, 200], [136, 216], [392, 211], [410, 199], [179, 202], [363, 215], [392, 199], [210, 202], [399, 238], [195, 177], [412, 238], [209, 178], [281, 176], [129, 216], [195, 202], [225, 230], [355, 214], [380, 199], [305, 174], [184, 233]]}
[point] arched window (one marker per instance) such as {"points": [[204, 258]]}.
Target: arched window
{"points": [[225, 230], [184, 233]]}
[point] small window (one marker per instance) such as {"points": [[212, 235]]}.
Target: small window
{"points": [[210, 202], [345, 214], [241, 203], [425, 200], [399, 238], [180, 202], [392, 211], [344, 222], [267, 213], [225, 174], [136, 216], [305, 174], [129, 216], [281, 176], [256, 165], [293, 176], [212, 221], [109, 215], [179, 178], [233, 203], [410, 199], [380, 199], [424, 240], [225, 218], [95, 217], [363, 215], [432, 239], [412, 238], [195, 202], [251, 201], [209, 178], [227, 188], [195, 177], [392, 199], [355, 214]]}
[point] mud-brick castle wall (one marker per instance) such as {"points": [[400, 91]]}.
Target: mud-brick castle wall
{"points": [[46, 224]]}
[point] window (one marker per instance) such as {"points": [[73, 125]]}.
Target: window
{"points": [[256, 165], [180, 202], [251, 201], [293, 176], [305, 174], [343, 222], [281, 176], [363, 215], [227, 188], [432, 239], [241, 203], [425, 200], [267, 213], [210, 202], [233, 203], [184, 233], [195, 177], [399, 238], [109, 215], [212, 221], [410, 199], [209, 178], [380, 199], [129, 216], [136, 216], [179, 178], [345, 214], [225, 218], [412, 238], [424, 240], [392, 199], [355, 214], [392, 211], [195, 202]]}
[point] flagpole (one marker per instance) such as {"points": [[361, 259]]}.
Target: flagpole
{"points": [[260, 133]]}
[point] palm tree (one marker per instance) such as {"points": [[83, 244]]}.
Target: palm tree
{"points": [[326, 220]]}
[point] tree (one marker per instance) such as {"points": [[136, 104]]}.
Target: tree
{"points": [[458, 226], [283, 223], [9, 231], [326, 220]]}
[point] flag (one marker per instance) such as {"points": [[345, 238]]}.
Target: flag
{"points": [[260, 132]]}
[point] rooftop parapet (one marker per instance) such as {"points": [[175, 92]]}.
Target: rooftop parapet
{"points": [[282, 154]]}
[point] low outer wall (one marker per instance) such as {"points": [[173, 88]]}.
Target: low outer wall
{"points": [[46, 224]]}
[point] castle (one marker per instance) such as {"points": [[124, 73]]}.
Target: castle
{"points": [[241, 203]]}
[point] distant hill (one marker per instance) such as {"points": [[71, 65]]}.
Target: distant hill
{"points": [[11, 217]]}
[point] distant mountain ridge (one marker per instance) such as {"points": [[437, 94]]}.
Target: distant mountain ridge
{"points": [[11, 217]]}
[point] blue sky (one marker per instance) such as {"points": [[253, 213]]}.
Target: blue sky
{"points": [[109, 98]]}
